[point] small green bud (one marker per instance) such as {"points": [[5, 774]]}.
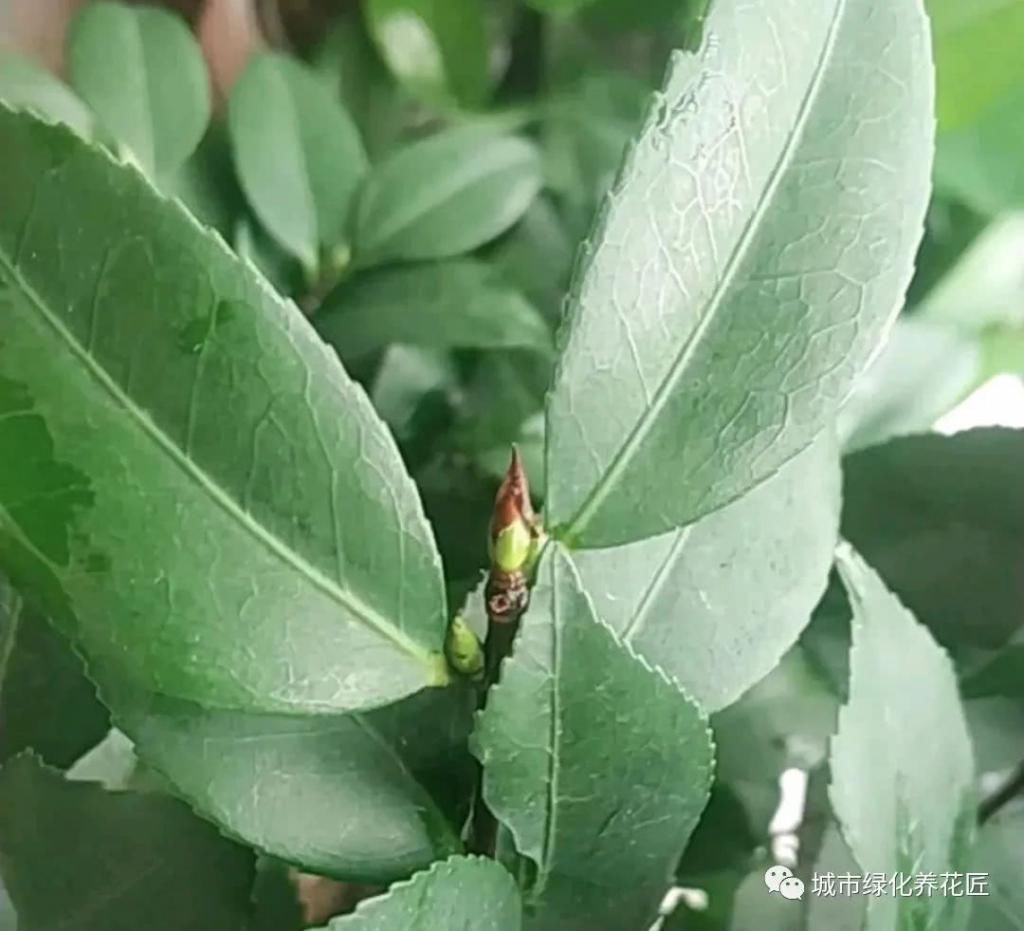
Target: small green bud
{"points": [[463, 649], [512, 547]]}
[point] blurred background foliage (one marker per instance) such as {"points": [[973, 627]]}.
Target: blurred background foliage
{"points": [[419, 176]]}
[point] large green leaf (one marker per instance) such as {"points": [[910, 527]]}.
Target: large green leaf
{"points": [[340, 795], [902, 767], [219, 513], [142, 72], [24, 83], [298, 153], [716, 603], [452, 304], [46, 702], [977, 55], [78, 857], [737, 282], [464, 893], [598, 764], [938, 519], [445, 195], [438, 49]]}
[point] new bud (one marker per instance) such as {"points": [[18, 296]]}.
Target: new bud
{"points": [[514, 527], [463, 649]]}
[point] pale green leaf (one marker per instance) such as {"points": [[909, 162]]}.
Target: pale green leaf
{"points": [[339, 795], [977, 55], [980, 164], [1000, 855], [445, 195], [924, 370], [298, 153], [143, 74], [460, 894], [749, 261], [438, 49], [24, 83], [597, 764], [78, 857], [459, 303], [717, 603], [220, 514], [902, 767]]}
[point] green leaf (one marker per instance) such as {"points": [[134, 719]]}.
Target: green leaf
{"points": [[468, 893], [340, 795], [46, 702], [77, 856], [143, 74], [902, 767], [736, 285], [924, 370], [979, 164], [444, 195], [935, 517], [977, 56], [298, 154], [24, 83], [598, 765], [536, 256], [438, 49], [219, 515], [984, 288], [460, 303], [1000, 854], [717, 603]]}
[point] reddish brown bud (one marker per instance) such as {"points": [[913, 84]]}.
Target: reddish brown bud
{"points": [[513, 522]]}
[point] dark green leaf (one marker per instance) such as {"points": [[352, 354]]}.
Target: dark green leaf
{"points": [[997, 732], [938, 518], [298, 154], [438, 49], [536, 256], [339, 795], [737, 285], [142, 72], [977, 56], [285, 562], [902, 768], [24, 83], [460, 303], [80, 858], [207, 185], [716, 603], [275, 903], [464, 893], [836, 912], [46, 702], [445, 195], [598, 764]]}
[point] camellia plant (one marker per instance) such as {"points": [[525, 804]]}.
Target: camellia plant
{"points": [[360, 548]]}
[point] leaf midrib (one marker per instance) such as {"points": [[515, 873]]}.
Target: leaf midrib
{"points": [[626, 452], [435, 196], [343, 597]]}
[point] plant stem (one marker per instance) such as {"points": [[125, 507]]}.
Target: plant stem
{"points": [[1012, 787]]}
